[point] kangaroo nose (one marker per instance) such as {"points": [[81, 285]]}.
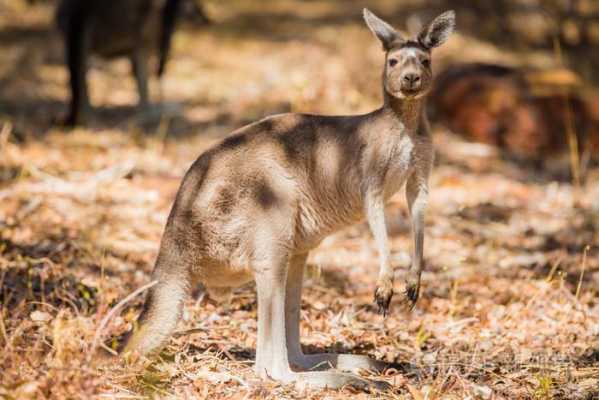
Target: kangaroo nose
{"points": [[411, 81]]}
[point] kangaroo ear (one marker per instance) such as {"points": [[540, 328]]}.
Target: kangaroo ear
{"points": [[382, 30], [437, 32]]}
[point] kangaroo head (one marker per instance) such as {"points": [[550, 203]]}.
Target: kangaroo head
{"points": [[408, 71]]}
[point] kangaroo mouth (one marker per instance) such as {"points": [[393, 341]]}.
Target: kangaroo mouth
{"points": [[411, 92], [405, 93]]}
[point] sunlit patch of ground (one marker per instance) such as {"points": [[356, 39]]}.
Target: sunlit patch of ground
{"points": [[509, 307]]}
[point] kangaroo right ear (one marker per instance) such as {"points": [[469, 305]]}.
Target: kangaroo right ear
{"points": [[437, 32], [382, 30]]}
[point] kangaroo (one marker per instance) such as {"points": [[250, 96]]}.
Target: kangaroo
{"points": [[133, 28], [253, 207]]}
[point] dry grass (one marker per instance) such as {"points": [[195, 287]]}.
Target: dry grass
{"points": [[81, 214]]}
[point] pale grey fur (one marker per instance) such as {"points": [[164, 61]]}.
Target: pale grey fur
{"points": [[255, 205]]}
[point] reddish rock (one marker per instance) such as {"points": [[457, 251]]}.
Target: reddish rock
{"points": [[499, 106]]}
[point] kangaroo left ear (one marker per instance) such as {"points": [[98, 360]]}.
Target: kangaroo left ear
{"points": [[437, 32], [382, 30]]}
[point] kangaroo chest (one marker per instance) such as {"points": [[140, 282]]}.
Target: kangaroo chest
{"points": [[401, 162]]}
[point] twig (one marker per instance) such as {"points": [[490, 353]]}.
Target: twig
{"points": [[112, 313], [108, 349], [584, 266], [3, 328], [81, 189], [5, 134], [189, 332], [553, 269], [570, 128]]}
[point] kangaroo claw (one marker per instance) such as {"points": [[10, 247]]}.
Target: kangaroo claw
{"points": [[382, 297]]}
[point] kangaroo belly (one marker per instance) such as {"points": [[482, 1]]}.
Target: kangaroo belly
{"points": [[223, 275], [399, 167], [318, 219]]}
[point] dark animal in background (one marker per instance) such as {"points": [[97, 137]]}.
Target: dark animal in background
{"points": [[194, 12], [114, 28]]}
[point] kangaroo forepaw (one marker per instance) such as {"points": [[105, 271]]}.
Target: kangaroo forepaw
{"points": [[412, 291], [382, 297], [412, 295]]}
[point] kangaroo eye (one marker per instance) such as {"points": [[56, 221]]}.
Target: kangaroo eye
{"points": [[426, 62], [392, 62]]}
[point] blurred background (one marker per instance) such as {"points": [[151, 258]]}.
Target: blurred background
{"points": [[519, 75], [513, 222]]}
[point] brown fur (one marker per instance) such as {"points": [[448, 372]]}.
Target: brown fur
{"points": [[113, 28]]}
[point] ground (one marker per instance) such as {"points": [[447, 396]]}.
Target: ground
{"points": [[509, 305]]}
